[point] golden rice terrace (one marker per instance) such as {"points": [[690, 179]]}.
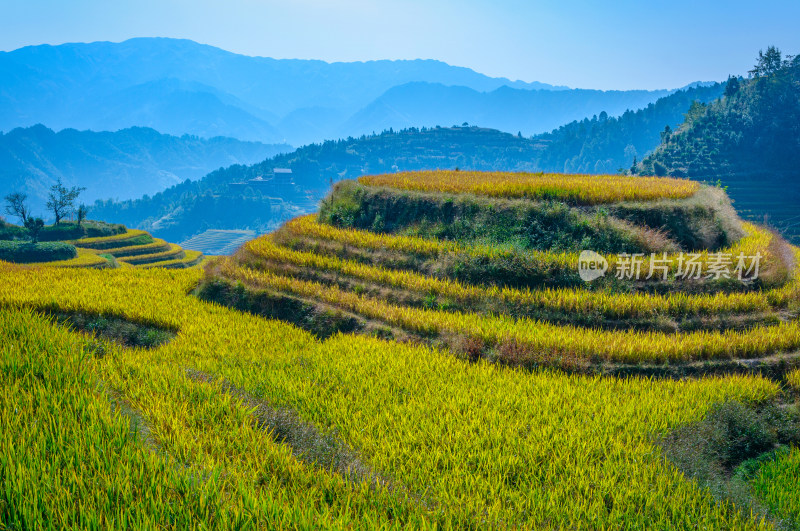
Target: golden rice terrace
{"points": [[431, 350], [577, 189]]}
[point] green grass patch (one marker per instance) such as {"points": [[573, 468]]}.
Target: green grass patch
{"points": [[511, 223]]}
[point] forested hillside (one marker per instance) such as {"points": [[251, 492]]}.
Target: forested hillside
{"points": [[749, 140], [605, 144]]}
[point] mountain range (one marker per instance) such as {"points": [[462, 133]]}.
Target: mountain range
{"points": [[212, 203], [122, 165], [181, 87]]}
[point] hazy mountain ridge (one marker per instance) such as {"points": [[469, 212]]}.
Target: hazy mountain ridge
{"points": [[123, 164], [507, 109], [604, 144], [183, 210], [179, 86]]}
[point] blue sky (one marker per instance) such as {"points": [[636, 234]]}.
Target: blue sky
{"points": [[611, 44]]}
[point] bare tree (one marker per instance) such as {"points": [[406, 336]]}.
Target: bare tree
{"points": [[15, 206], [61, 200]]}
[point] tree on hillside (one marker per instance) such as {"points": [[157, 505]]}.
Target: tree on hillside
{"points": [[15, 206], [61, 200], [34, 226], [83, 210], [769, 62], [732, 86]]}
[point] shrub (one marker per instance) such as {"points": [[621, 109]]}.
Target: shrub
{"points": [[26, 252], [524, 224], [96, 229], [730, 442], [62, 232], [13, 232]]}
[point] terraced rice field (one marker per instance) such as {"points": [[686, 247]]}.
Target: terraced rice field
{"points": [[134, 248], [218, 242], [579, 189], [337, 376], [183, 434]]}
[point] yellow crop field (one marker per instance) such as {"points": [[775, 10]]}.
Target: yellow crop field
{"points": [[547, 340], [441, 442], [174, 252], [85, 258], [568, 300], [572, 188], [147, 248], [756, 240], [793, 379], [190, 259], [131, 233], [342, 374]]}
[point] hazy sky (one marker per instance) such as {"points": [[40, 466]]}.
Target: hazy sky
{"points": [[602, 44]]}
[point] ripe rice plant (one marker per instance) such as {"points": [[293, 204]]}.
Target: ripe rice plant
{"points": [[756, 240], [190, 259], [130, 250], [565, 300], [239, 421], [793, 379], [175, 252], [459, 445], [85, 258], [571, 188], [540, 338], [117, 240]]}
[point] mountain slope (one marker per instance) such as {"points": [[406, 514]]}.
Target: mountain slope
{"points": [[749, 140], [604, 144], [127, 163]]}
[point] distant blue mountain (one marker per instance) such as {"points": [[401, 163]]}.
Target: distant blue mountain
{"points": [[505, 108], [122, 165], [179, 86]]}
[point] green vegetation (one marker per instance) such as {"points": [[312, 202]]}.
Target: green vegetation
{"points": [[604, 144], [737, 451], [775, 484], [91, 244], [113, 328], [703, 221], [245, 422], [340, 377], [497, 278], [28, 252], [747, 141], [122, 163], [751, 131], [520, 223]]}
